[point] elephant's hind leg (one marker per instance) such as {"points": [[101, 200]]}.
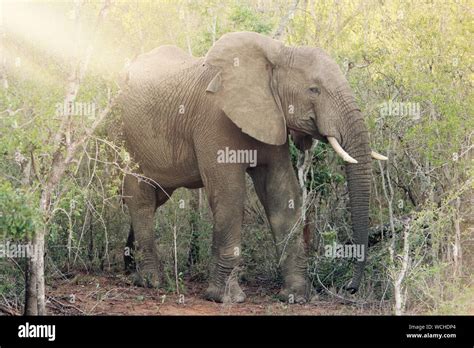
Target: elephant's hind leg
{"points": [[142, 200]]}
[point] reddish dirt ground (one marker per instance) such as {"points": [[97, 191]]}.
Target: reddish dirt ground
{"points": [[113, 295]]}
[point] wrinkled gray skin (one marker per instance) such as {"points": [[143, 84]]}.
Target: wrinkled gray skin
{"points": [[248, 92]]}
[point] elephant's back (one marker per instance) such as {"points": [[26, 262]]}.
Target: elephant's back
{"points": [[158, 64], [161, 108]]}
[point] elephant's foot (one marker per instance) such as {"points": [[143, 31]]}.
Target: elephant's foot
{"points": [[147, 278], [231, 293], [294, 292]]}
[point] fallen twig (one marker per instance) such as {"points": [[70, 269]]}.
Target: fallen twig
{"points": [[66, 305]]}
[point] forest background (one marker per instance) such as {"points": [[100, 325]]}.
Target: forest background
{"points": [[410, 64]]}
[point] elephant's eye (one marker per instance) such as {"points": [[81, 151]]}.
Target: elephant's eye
{"points": [[315, 90]]}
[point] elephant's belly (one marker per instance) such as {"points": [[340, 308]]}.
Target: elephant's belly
{"points": [[165, 180], [168, 160], [170, 168]]}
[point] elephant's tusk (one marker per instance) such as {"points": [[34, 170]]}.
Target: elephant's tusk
{"points": [[378, 156], [340, 151]]}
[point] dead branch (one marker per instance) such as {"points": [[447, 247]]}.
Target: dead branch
{"points": [[284, 21]]}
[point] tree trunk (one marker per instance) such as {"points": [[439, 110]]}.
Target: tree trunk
{"points": [[40, 273], [31, 293], [304, 165], [35, 303], [457, 251]]}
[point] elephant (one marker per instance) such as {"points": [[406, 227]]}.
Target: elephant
{"points": [[191, 122]]}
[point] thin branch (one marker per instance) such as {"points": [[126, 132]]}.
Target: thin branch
{"points": [[285, 20]]}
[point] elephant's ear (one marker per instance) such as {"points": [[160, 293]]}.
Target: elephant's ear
{"points": [[243, 88]]}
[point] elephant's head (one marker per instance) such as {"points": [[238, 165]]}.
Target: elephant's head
{"points": [[266, 89]]}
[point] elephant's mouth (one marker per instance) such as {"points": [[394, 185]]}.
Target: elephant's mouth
{"points": [[305, 131], [315, 131], [306, 125]]}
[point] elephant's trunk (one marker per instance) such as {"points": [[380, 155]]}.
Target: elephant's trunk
{"points": [[356, 142]]}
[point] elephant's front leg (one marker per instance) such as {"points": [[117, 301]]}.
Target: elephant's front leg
{"points": [[278, 190], [226, 191]]}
